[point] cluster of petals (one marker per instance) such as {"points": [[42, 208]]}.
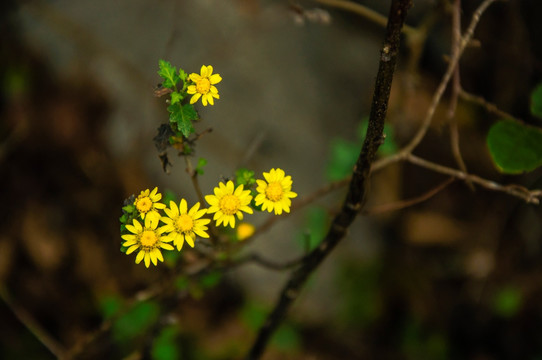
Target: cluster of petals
{"points": [[275, 192], [183, 225], [228, 202]]}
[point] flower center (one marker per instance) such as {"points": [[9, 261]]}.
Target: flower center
{"points": [[143, 204], [274, 191], [185, 223], [229, 204], [203, 86], [148, 238]]}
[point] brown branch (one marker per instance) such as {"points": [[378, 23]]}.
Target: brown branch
{"points": [[398, 205], [258, 259], [364, 12], [490, 107], [456, 88], [33, 326], [530, 196], [356, 193]]}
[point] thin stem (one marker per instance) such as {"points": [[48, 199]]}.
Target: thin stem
{"points": [[379, 209], [530, 196], [456, 88], [490, 107], [356, 193], [33, 326], [364, 12], [454, 59]]}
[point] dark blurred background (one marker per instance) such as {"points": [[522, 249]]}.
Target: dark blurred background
{"points": [[456, 277]]}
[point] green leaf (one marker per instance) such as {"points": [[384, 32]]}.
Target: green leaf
{"points": [[165, 345], [201, 163], [182, 116], [244, 177], [536, 101], [515, 147], [183, 75], [136, 322], [168, 73], [176, 97]]}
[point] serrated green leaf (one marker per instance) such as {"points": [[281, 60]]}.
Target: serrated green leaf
{"points": [[183, 75], [515, 147], [536, 101], [176, 97], [168, 73], [182, 117], [244, 177]]}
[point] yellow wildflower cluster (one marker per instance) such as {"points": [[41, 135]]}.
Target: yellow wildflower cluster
{"points": [[181, 224]]}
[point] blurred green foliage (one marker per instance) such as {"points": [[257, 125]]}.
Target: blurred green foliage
{"points": [[507, 301], [166, 344], [536, 101], [419, 343], [316, 225], [286, 338], [360, 303], [344, 153], [135, 322]]}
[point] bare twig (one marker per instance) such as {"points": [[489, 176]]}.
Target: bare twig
{"points": [[356, 192], [490, 107], [530, 196], [258, 259], [454, 59], [33, 326], [456, 88], [379, 209], [364, 12]]}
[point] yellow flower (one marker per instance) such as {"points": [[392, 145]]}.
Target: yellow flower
{"points": [[227, 202], [147, 203], [183, 224], [147, 239], [204, 86], [275, 192], [244, 231]]}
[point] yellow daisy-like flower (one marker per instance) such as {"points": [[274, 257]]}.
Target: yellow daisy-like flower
{"points": [[147, 203], [148, 239], [227, 202], [204, 86], [183, 224], [275, 192]]}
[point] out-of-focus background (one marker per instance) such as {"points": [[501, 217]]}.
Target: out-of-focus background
{"points": [[458, 276]]}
